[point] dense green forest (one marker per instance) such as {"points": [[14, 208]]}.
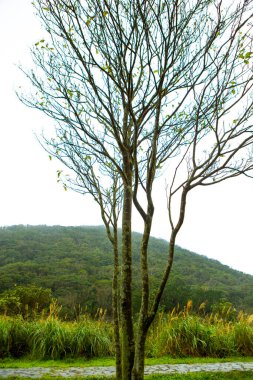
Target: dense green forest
{"points": [[76, 264]]}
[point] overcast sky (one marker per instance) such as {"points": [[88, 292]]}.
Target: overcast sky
{"points": [[219, 218]]}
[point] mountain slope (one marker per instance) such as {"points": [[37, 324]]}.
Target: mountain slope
{"points": [[76, 263]]}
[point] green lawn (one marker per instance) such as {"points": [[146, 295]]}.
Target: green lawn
{"points": [[26, 363], [206, 376], [235, 375]]}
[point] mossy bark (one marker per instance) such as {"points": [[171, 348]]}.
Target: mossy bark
{"points": [[138, 370], [115, 307], [127, 347], [139, 358]]}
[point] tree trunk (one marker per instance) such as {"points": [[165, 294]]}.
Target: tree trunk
{"points": [[139, 358], [127, 348], [115, 306], [138, 371], [145, 318]]}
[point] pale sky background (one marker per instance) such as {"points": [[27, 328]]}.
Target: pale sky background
{"points": [[219, 218]]}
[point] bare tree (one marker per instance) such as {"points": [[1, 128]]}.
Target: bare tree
{"points": [[133, 85]]}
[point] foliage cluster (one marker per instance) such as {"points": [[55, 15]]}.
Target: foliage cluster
{"points": [[178, 334], [76, 263], [26, 301]]}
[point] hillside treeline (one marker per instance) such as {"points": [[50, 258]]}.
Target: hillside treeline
{"points": [[75, 264]]}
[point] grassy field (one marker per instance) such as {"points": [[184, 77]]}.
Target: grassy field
{"points": [[199, 376], [100, 362], [175, 335]]}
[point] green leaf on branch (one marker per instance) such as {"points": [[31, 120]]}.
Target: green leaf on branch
{"points": [[105, 13], [248, 55], [59, 172], [107, 68], [89, 21], [245, 56], [70, 93]]}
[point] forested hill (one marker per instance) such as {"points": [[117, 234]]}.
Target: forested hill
{"points": [[76, 263]]}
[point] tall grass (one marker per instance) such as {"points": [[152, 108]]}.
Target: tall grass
{"points": [[181, 333], [54, 339], [50, 339], [178, 333], [14, 337], [92, 339]]}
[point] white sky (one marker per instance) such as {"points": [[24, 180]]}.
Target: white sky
{"points": [[219, 218]]}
